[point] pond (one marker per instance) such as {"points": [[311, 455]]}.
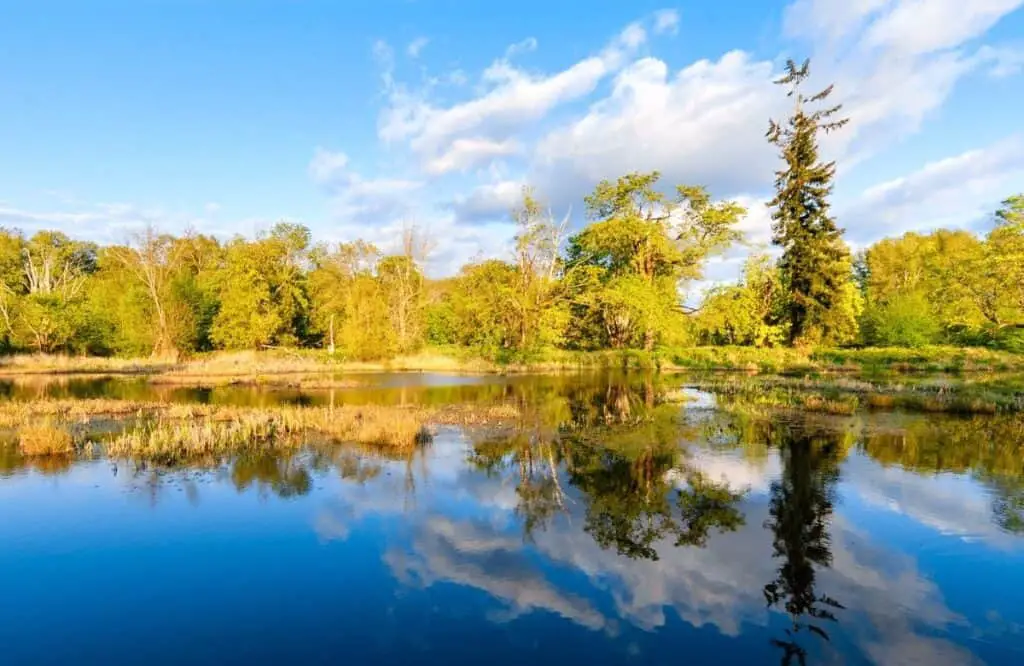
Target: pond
{"points": [[610, 526]]}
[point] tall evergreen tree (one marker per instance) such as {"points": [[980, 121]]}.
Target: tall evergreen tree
{"points": [[816, 264]]}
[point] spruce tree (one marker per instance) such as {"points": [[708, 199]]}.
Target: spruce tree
{"points": [[815, 263]]}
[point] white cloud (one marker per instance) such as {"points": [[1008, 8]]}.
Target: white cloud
{"points": [[115, 222], [960, 191], [468, 152], [360, 201], [488, 202], [893, 62], [512, 99], [416, 46], [666, 21], [704, 124], [926, 26], [1006, 60]]}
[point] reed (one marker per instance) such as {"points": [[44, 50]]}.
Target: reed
{"points": [[190, 432], [45, 439]]}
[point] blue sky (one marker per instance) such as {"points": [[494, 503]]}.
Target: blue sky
{"points": [[358, 117]]}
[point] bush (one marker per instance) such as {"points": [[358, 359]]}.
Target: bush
{"points": [[903, 321]]}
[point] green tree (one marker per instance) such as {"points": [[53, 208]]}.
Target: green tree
{"points": [[541, 314], [903, 320], [483, 305], [1005, 263], [42, 307], [626, 269], [402, 283], [263, 299], [748, 313], [816, 265], [350, 308]]}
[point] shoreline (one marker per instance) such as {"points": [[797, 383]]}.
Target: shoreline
{"points": [[238, 367]]}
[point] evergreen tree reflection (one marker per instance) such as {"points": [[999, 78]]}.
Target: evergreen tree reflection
{"points": [[799, 515]]}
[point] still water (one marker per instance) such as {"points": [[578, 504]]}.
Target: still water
{"points": [[609, 527]]}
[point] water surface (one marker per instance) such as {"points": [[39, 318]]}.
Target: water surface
{"points": [[609, 527]]}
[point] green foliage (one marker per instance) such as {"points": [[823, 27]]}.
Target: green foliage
{"points": [[905, 320], [618, 287], [627, 269], [749, 313], [816, 266], [263, 299], [948, 286]]}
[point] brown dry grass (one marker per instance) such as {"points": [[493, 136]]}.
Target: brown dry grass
{"points": [[45, 439], [203, 431], [17, 413], [174, 432]]}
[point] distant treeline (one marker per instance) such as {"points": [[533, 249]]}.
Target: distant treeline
{"points": [[620, 282], [615, 284]]}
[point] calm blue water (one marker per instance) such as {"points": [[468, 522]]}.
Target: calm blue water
{"points": [[721, 540]]}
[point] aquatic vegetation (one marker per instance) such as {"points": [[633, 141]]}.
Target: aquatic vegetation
{"points": [[174, 441], [173, 432], [220, 430], [786, 360], [26, 364], [845, 394], [45, 439], [17, 413]]}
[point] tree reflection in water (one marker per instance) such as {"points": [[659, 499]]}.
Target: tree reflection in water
{"points": [[799, 515], [622, 452], [285, 476]]}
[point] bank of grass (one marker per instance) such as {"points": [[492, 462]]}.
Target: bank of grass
{"points": [[286, 365], [845, 394], [867, 360], [169, 433]]}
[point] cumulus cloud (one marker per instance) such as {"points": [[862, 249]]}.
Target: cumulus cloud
{"points": [[959, 191], [488, 202], [893, 61], [463, 154], [703, 124], [512, 99]]}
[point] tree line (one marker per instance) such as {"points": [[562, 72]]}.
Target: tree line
{"points": [[622, 281]]}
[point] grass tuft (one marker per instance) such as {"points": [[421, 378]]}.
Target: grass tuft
{"points": [[45, 439]]}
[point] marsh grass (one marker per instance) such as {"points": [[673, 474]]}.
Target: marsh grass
{"points": [[168, 433], [198, 431], [873, 359], [27, 364], [45, 439], [287, 366], [845, 395], [17, 413]]}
